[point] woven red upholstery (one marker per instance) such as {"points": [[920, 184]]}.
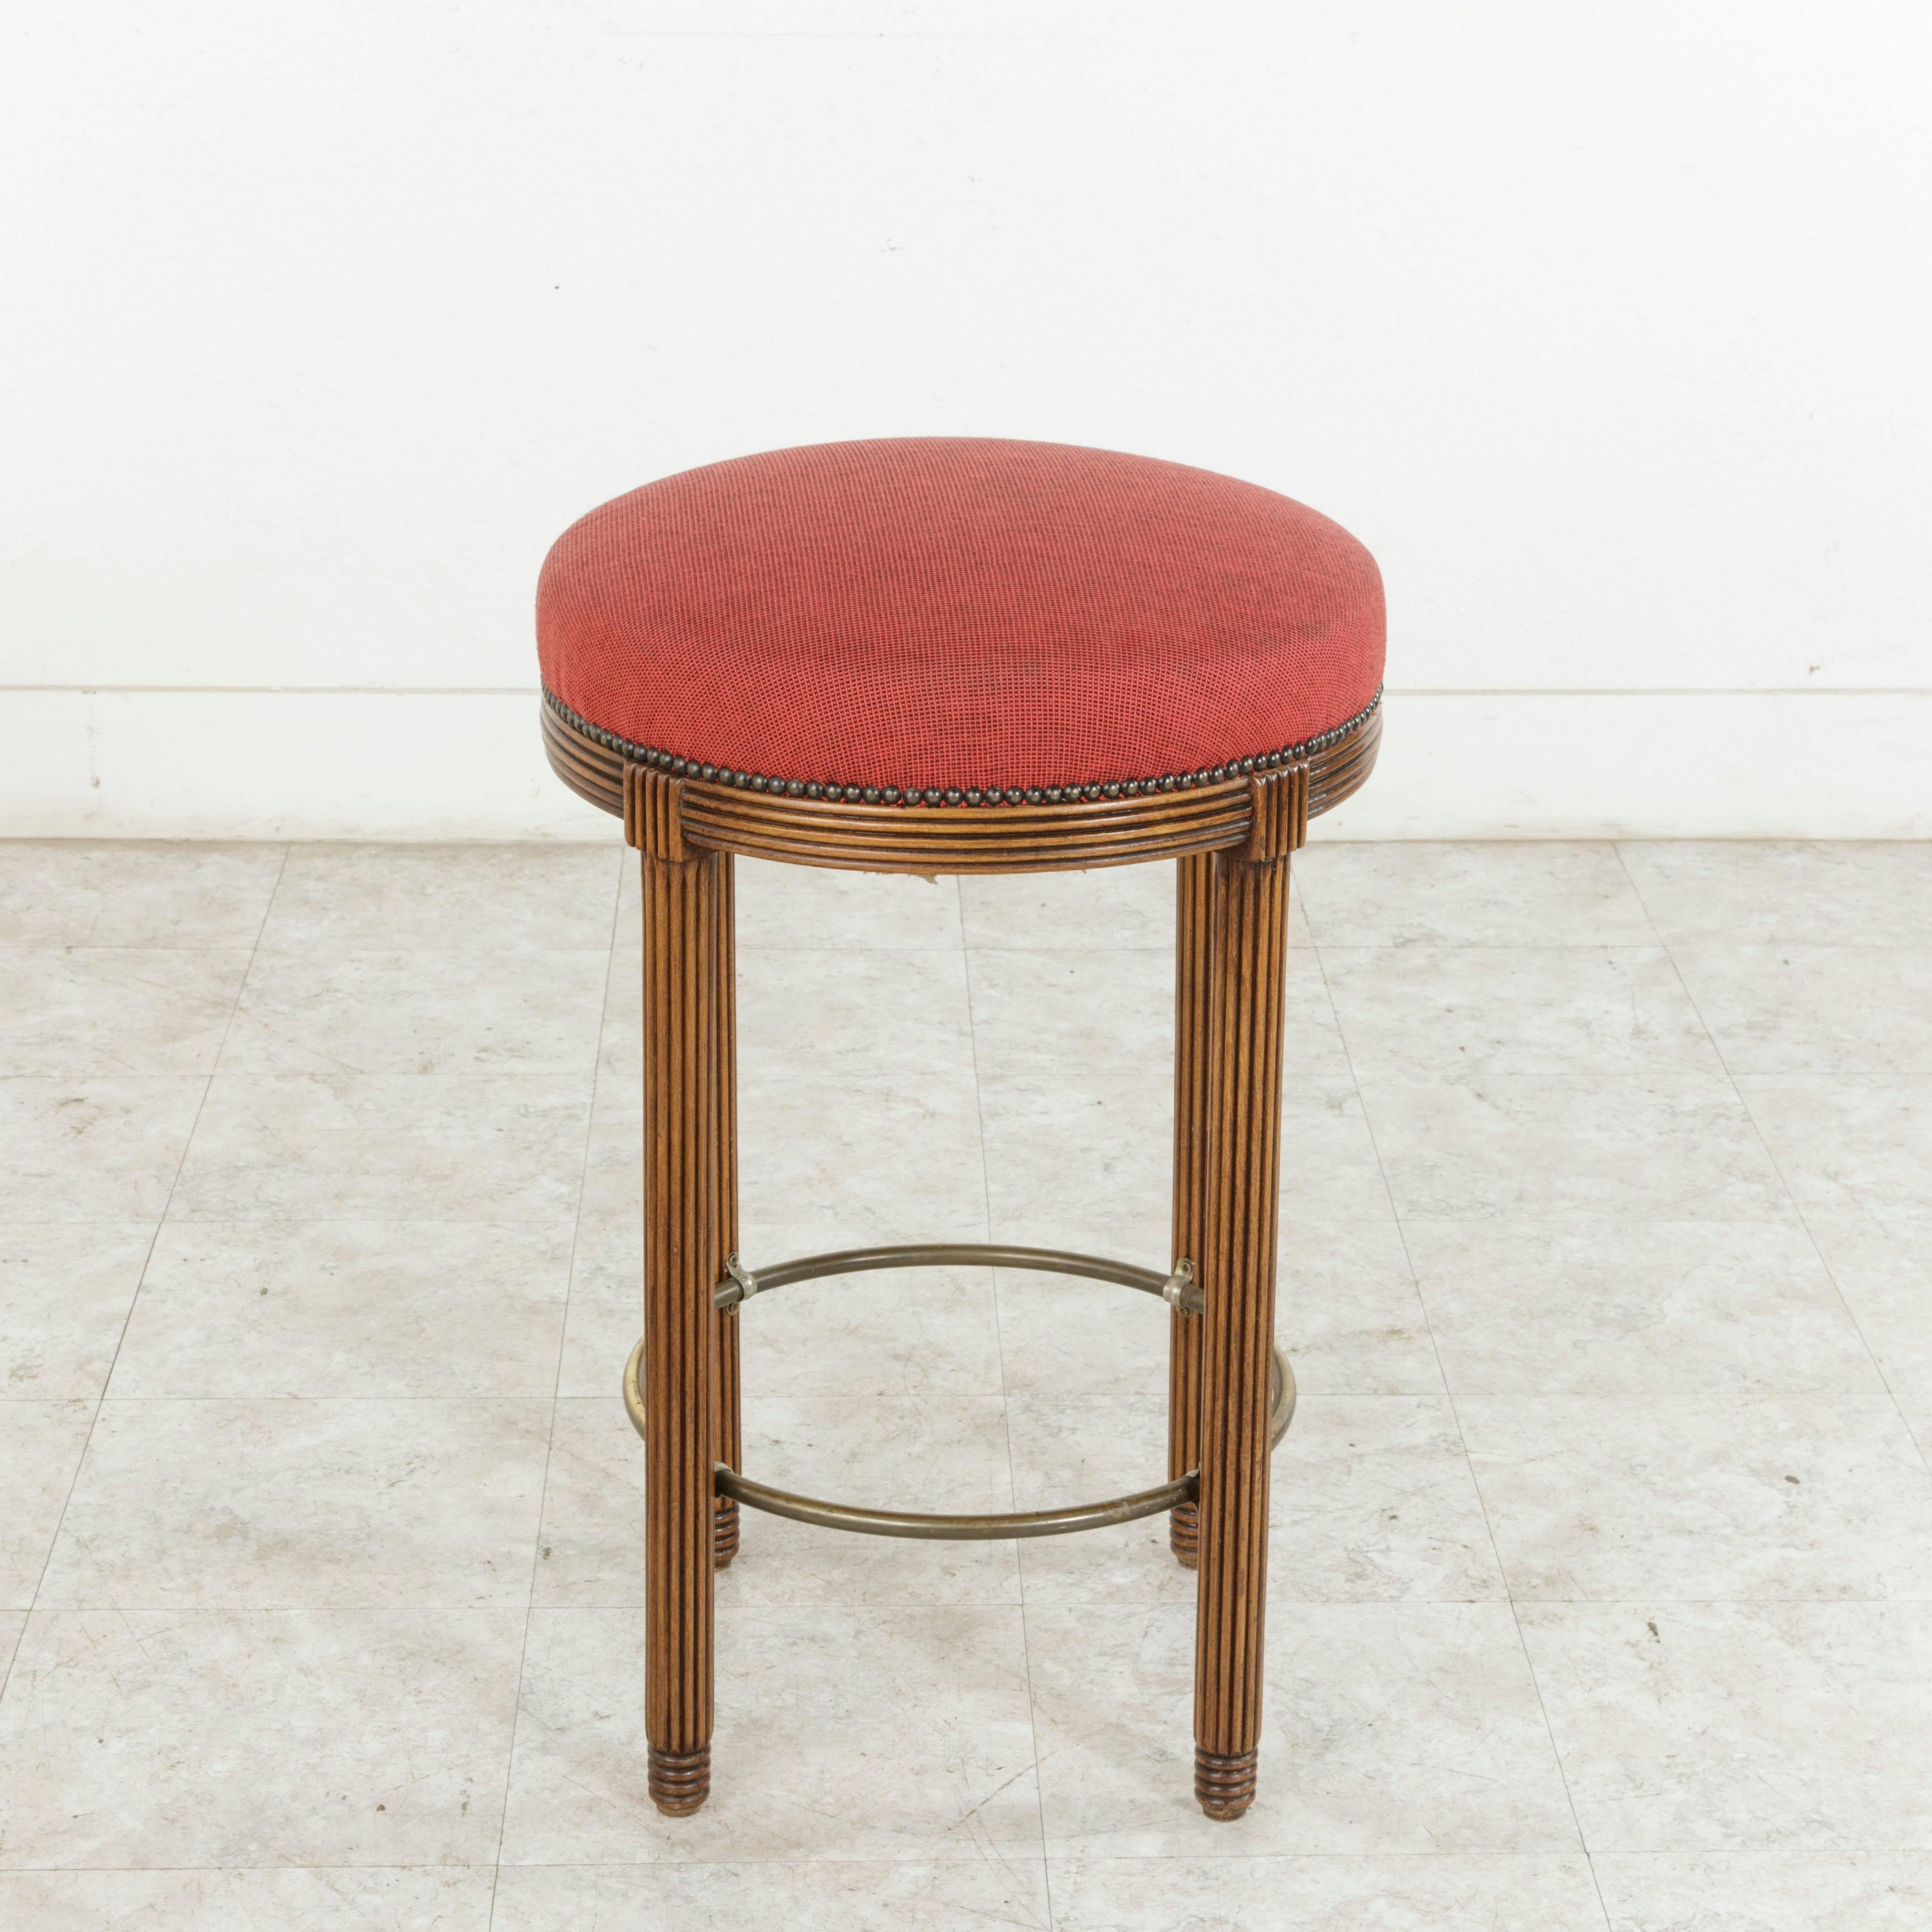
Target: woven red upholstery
{"points": [[944, 612]]}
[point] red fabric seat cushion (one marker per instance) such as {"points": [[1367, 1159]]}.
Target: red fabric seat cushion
{"points": [[941, 612]]}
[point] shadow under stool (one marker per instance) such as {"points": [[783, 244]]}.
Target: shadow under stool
{"points": [[953, 655]]}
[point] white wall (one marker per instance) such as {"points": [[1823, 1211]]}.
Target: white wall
{"points": [[1605, 327]]}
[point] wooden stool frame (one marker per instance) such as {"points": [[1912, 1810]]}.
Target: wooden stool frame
{"points": [[1231, 837]]}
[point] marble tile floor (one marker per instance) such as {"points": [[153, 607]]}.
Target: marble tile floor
{"points": [[1601, 1567]]}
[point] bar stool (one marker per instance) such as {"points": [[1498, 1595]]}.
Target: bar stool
{"points": [[960, 655]]}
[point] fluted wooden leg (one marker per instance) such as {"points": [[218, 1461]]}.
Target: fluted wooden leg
{"points": [[1247, 921], [1192, 931], [730, 1429], [682, 1264]]}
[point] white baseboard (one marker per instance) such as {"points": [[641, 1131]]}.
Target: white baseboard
{"points": [[281, 764], [469, 765], [1649, 765]]}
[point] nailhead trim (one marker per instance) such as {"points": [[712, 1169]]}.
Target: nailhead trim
{"points": [[992, 795]]}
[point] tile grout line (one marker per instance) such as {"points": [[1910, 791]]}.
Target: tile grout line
{"points": [[556, 1385], [1005, 1415], [960, 1864], [1776, 1168], [147, 1260], [1449, 1396]]}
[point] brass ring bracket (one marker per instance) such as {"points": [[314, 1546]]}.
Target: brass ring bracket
{"points": [[1179, 1290], [737, 1288], [1176, 1288]]}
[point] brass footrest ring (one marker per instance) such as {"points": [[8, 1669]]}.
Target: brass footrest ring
{"points": [[956, 1529]]}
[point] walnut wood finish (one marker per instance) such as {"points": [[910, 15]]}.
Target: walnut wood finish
{"points": [[730, 1450], [968, 839], [1232, 841], [963, 839], [652, 807], [1247, 920], [682, 897], [1278, 825], [1192, 931]]}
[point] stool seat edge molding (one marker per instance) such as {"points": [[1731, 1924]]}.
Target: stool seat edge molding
{"points": [[1210, 813]]}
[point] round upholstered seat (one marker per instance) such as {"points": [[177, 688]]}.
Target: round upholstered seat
{"points": [[954, 615]]}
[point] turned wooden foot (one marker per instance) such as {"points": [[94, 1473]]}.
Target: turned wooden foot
{"points": [[1224, 1786], [680, 1781]]}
